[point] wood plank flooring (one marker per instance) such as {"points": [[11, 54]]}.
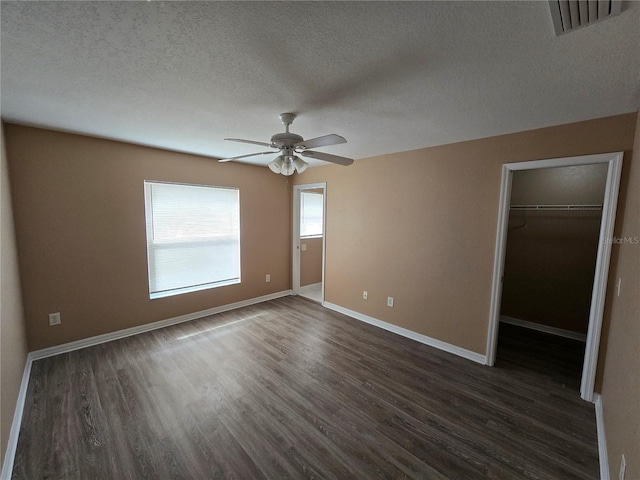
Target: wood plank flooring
{"points": [[288, 389], [524, 350]]}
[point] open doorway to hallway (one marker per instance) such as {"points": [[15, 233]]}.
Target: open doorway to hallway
{"points": [[309, 241]]}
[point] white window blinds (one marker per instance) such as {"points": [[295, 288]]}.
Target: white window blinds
{"points": [[311, 212], [193, 237]]}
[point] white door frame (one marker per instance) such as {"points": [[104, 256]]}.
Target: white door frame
{"points": [[614, 161], [297, 190]]}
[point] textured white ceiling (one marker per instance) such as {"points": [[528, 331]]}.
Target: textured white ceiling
{"points": [[388, 76]]}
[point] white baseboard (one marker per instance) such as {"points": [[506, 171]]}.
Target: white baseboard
{"points": [[418, 337], [560, 332], [602, 439], [108, 337], [12, 443]]}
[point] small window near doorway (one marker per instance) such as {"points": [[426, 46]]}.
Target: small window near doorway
{"points": [[311, 214]]}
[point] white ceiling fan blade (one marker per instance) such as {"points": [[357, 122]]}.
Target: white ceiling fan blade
{"points": [[323, 141], [249, 141], [245, 156], [327, 157]]}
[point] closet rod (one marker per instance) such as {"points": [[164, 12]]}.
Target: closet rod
{"points": [[556, 207]]}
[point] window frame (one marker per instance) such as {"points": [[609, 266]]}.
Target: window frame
{"points": [[189, 242], [315, 235]]}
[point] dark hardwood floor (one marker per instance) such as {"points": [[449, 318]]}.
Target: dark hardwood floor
{"points": [[524, 351], [288, 389]]}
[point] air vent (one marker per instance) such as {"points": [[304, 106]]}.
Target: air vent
{"points": [[569, 15]]}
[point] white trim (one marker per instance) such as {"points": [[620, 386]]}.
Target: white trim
{"points": [[601, 275], [324, 238], [12, 443], [418, 337], [498, 265], [564, 161], [602, 439], [614, 160], [560, 332], [108, 337], [295, 241], [295, 247]]}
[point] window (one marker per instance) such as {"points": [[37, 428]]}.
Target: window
{"points": [[311, 213], [193, 237]]}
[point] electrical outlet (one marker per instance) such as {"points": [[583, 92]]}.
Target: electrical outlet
{"points": [[267, 278], [54, 319], [390, 302], [623, 467], [619, 285], [365, 295]]}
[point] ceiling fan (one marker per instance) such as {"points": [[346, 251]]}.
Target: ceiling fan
{"points": [[289, 144]]}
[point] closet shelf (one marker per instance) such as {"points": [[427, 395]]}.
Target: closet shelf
{"points": [[556, 207]]}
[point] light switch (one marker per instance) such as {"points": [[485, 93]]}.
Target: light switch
{"points": [[304, 247]]}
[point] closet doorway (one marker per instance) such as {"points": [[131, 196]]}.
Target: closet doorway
{"points": [[552, 244], [309, 207], [552, 257]]}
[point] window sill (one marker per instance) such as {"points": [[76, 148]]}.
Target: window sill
{"points": [[195, 288]]}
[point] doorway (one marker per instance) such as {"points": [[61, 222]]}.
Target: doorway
{"points": [[613, 164], [309, 212], [552, 241]]}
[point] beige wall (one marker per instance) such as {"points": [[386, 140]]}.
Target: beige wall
{"points": [[621, 340], [551, 255], [13, 339], [577, 185], [80, 225], [311, 261], [420, 225]]}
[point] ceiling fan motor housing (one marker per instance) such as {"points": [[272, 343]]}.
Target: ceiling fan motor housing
{"points": [[285, 140]]}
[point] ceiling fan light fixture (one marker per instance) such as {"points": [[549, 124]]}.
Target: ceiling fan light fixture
{"points": [[287, 168], [300, 165], [276, 165]]}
